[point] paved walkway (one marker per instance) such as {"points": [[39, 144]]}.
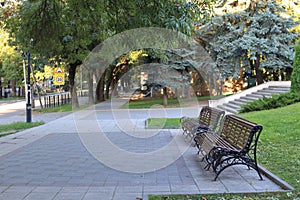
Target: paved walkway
{"points": [[55, 161]]}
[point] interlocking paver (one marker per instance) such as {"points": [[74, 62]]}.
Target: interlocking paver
{"points": [[40, 195], [128, 196], [69, 196], [97, 195], [12, 195], [52, 163]]}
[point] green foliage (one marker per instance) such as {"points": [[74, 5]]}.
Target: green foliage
{"points": [[37, 25], [295, 85], [62, 108], [279, 100], [148, 103], [166, 123], [72, 28], [68, 30], [10, 59], [255, 38], [257, 196], [18, 126], [278, 148]]}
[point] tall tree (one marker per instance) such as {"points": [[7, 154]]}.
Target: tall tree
{"points": [[178, 15], [295, 87], [10, 59], [65, 30], [257, 39], [68, 30], [10, 67]]}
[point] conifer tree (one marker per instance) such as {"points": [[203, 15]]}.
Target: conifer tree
{"points": [[295, 87], [257, 40]]}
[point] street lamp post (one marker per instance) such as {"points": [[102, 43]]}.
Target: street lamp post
{"points": [[28, 103]]}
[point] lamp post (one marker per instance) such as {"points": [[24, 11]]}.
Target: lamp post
{"points": [[28, 103]]}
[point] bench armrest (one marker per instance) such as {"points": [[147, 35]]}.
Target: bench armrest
{"points": [[225, 150]]}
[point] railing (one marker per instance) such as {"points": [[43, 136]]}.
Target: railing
{"points": [[82, 93], [52, 100]]}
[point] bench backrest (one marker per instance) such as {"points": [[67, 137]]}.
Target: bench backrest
{"points": [[240, 133], [211, 117]]}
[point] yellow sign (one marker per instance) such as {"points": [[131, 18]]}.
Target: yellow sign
{"points": [[59, 76]]}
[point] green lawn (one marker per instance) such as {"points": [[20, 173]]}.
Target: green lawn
{"points": [[167, 123], [12, 98], [278, 151], [15, 127], [62, 108], [172, 103]]}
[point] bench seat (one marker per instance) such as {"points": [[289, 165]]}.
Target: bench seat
{"points": [[235, 144], [209, 120]]}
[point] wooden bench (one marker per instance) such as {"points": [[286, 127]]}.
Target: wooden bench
{"points": [[209, 120], [235, 145]]}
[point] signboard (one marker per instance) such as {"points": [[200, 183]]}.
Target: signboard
{"points": [[59, 76]]}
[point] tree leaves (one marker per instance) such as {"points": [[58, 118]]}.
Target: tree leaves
{"points": [[295, 86], [237, 38]]}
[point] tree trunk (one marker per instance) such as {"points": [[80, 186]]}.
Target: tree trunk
{"points": [[90, 85], [259, 74], [189, 96], [72, 72], [0, 89], [36, 87], [32, 96], [176, 93], [114, 89], [165, 96], [100, 89], [108, 82], [13, 88]]}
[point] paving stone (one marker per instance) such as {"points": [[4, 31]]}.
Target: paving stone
{"points": [[157, 188], [184, 189], [109, 190], [12, 195], [3, 188], [237, 185], [20, 189], [127, 196], [45, 189], [69, 196], [97, 195], [58, 164], [129, 189], [40, 196]]}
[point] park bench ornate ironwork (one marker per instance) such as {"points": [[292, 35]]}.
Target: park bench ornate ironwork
{"points": [[236, 144], [209, 120]]}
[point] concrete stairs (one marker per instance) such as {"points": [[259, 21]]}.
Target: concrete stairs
{"points": [[233, 103]]}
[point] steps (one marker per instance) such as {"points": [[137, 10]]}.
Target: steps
{"points": [[233, 103]]}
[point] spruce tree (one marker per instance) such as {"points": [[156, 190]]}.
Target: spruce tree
{"points": [[257, 39]]}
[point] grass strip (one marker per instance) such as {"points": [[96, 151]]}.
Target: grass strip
{"points": [[62, 108], [7, 129], [172, 102], [166, 123]]}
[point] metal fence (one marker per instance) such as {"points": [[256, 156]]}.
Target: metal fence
{"points": [[52, 100]]}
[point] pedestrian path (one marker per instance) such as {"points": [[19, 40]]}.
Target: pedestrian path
{"points": [[54, 161]]}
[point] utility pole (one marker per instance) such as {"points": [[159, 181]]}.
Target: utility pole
{"points": [[28, 103]]}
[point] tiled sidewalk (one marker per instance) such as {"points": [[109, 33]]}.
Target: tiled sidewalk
{"points": [[51, 162]]}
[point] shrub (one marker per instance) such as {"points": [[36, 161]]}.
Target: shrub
{"points": [[276, 101], [295, 86]]}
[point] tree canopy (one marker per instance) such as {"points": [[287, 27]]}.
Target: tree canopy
{"points": [[257, 40], [69, 30], [295, 86]]}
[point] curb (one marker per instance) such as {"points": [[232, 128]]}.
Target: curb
{"points": [[284, 185]]}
